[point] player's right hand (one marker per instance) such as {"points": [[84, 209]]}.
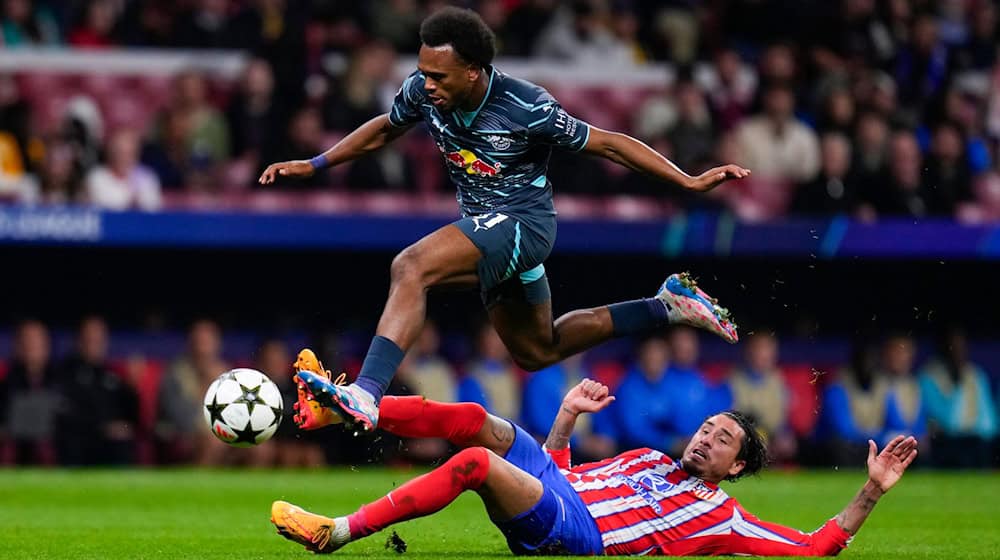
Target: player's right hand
{"points": [[297, 169], [588, 396]]}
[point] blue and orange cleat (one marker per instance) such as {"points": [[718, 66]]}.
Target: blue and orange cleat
{"points": [[309, 414], [687, 304], [317, 533], [355, 406]]}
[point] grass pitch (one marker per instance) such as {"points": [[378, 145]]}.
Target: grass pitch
{"points": [[167, 514]]}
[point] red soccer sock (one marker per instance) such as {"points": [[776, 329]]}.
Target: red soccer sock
{"points": [[425, 494], [417, 417]]}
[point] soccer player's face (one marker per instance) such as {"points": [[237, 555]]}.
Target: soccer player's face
{"points": [[712, 452], [448, 80]]}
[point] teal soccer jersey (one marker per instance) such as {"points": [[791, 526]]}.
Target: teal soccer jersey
{"points": [[497, 155]]}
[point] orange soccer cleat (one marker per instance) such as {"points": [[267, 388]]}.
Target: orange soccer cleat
{"points": [[318, 534], [309, 414]]}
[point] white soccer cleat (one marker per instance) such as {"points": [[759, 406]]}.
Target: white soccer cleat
{"points": [[353, 404], [687, 304]]}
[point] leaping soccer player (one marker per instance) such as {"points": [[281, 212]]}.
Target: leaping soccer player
{"points": [[641, 502], [496, 133]]}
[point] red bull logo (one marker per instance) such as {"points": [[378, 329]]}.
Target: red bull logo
{"points": [[471, 163]]}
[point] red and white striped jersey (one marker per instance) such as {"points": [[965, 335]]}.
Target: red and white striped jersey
{"points": [[644, 503]]}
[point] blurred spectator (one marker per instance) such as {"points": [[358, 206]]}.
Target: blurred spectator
{"points": [[778, 66], [206, 26], [276, 29], [693, 133], [148, 23], [921, 68], [978, 52], [854, 407], [693, 398], [424, 372], [731, 85], [905, 412], [904, 194], [625, 27], [852, 31], [965, 109], [82, 129], [208, 137], [644, 399], [948, 178], [675, 27], [256, 115], [98, 420], [305, 140], [960, 407], [491, 379], [759, 390], [838, 112], [593, 439], [870, 154], [24, 24], [30, 399], [169, 154], [834, 190], [578, 33], [15, 116], [123, 183], [398, 22], [58, 181], [524, 25], [775, 145], [364, 90], [96, 26], [180, 421]]}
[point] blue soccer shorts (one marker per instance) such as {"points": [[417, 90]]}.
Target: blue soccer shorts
{"points": [[559, 523]]}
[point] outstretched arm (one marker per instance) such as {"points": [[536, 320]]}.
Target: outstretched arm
{"points": [[633, 154], [884, 471], [366, 138], [587, 396]]}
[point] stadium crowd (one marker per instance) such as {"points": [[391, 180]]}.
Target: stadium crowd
{"points": [[863, 107], [88, 406]]}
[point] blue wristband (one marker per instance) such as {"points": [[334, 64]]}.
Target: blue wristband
{"points": [[318, 162]]}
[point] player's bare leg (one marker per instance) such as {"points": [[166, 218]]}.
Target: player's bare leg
{"points": [[444, 258], [536, 341], [506, 491]]}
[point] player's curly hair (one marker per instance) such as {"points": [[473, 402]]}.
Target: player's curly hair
{"points": [[753, 448], [464, 30]]}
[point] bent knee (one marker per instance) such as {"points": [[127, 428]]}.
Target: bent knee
{"points": [[534, 359], [471, 466], [407, 266]]}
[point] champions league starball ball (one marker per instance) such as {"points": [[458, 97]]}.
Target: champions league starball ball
{"points": [[243, 407]]}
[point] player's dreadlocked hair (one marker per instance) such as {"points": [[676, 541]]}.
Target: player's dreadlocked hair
{"points": [[464, 30], [753, 448]]}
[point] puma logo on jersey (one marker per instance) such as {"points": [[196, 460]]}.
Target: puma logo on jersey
{"points": [[486, 221]]}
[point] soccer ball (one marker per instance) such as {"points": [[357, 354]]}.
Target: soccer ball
{"points": [[243, 407]]}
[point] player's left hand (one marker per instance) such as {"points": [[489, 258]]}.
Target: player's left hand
{"points": [[588, 396], [716, 176], [886, 468]]}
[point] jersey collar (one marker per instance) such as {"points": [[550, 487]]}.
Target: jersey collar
{"points": [[466, 118]]}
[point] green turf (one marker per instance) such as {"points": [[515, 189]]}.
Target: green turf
{"points": [[224, 514]]}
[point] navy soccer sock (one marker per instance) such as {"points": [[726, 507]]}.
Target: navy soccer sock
{"points": [[638, 316], [380, 366]]}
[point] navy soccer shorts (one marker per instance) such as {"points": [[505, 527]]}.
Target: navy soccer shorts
{"points": [[514, 246]]}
